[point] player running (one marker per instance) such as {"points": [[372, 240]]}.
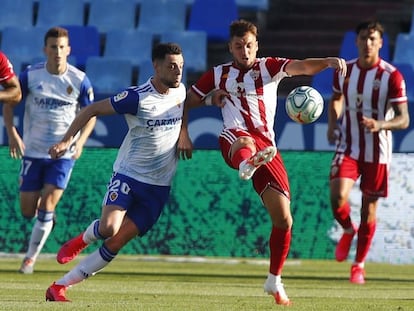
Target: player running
{"points": [[367, 104], [54, 91], [143, 170]]}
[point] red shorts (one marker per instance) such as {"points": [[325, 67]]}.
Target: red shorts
{"points": [[273, 174], [374, 176]]}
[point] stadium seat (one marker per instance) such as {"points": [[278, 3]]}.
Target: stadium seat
{"points": [[256, 5], [145, 71], [213, 17], [260, 7], [194, 46], [136, 45], [350, 51], [112, 14], [84, 42], [404, 49], [108, 75], [407, 71], [16, 13], [159, 16], [19, 63], [57, 12], [23, 43], [323, 82]]}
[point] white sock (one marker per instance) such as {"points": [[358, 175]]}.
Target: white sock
{"points": [[89, 266], [91, 233], [277, 279], [40, 233]]}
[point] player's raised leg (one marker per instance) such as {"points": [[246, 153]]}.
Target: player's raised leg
{"points": [[73, 247]]}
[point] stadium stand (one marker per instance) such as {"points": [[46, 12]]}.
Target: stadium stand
{"points": [[159, 16], [109, 75], [404, 49], [17, 13], [109, 14], [194, 45], [22, 44], [213, 17], [57, 12], [136, 45]]}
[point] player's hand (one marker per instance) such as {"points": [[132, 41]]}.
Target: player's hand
{"points": [[78, 151], [184, 146], [58, 150], [218, 98], [332, 134], [339, 64], [16, 146], [371, 125]]}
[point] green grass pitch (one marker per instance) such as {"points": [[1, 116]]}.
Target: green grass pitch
{"points": [[178, 283]]}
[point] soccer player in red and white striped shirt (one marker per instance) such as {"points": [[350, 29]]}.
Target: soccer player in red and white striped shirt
{"points": [[366, 105], [246, 91]]}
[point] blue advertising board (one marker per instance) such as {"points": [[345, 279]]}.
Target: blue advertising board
{"points": [[205, 125]]}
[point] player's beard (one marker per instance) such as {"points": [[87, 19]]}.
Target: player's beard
{"points": [[171, 84]]}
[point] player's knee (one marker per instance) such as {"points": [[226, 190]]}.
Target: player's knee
{"points": [[338, 199], [107, 231]]}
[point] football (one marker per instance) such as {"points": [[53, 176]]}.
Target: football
{"points": [[304, 104]]}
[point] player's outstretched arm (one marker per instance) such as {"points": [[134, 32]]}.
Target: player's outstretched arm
{"points": [[102, 107], [312, 66]]}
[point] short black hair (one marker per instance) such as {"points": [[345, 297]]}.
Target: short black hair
{"points": [[370, 25], [160, 50]]}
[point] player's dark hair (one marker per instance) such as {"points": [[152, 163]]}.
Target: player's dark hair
{"points": [[240, 27], [370, 25], [160, 50], [56, 32]]}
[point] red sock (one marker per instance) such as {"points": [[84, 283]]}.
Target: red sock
{"points": [[343, 216], [240, 155], [366, 232], [279, 245]]}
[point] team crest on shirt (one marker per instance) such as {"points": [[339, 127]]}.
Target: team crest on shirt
{"points": [[255, 74], [376, 85], [178, 102], [69, 89], [113, 196]]}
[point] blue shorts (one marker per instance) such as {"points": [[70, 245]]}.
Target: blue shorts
{"points": [[35, 173], [143, 202]]}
